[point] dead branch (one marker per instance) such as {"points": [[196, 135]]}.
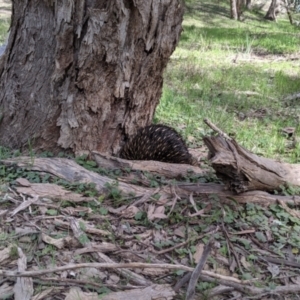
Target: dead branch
{"points": [[77, 282], [244, 171], [69, 170], [280, 261], [37, 273], [72, 172], [165, 169], [197, 271], [228, 197], [7, 273], [23, 288], [292, 97], [78, 233], [254, 291], [216, 129]]}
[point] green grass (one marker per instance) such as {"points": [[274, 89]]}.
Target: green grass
{"points": [[216, 62], [4, 25]]}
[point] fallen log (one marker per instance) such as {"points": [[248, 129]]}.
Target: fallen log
{"points": [[72, 172], [244, 171], [231, 198], [165, 169]]}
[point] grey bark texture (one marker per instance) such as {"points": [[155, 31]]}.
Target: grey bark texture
{"points": [[236, 9], [244, 171], [84, 75], [273, 10], [233, 9]]}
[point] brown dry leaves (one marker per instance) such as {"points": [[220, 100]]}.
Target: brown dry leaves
{"points": [[44, 226], [47, 226]]}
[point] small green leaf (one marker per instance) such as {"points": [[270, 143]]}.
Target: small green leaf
{"points": [[260, 236], [52, 212]]}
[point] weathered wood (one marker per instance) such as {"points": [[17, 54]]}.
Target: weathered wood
{"points": [[72, 172], [244, 171], [165, 169], [69, 170], [231, 198]]}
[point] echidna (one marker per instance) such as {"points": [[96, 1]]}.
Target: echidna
{"points": [[157, 142]]}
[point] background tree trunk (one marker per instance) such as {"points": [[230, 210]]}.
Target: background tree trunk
{"points": [[233, 10], [248, 4], [82, 75], [272, 11], [236, 9]]}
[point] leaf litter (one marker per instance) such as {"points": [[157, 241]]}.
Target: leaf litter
{"points": [[45, 227]]}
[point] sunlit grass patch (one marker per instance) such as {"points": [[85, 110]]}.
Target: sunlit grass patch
{"points": [[224, 69], [4, 25]]}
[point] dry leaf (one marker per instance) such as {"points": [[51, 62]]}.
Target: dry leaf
{"points": [[58, 243], [199, 250], [77, 293], [43, 295], [73, 211], [130, 212], [23, 182], [273, 269], [222, 271], [88, 273], [24, 205], [5, 253], [3, 212], [191, 138], [163, 291], [51, 191], [156, 213], [295, 279], [113, 279], [6, 291], [245, 264]]}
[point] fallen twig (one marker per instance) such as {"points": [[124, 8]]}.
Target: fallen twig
{"points": [[76, 282], [8, 273], [197, 271], [216, 129]]}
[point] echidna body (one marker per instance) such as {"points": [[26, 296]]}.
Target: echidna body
{"points": [[157, 142]]}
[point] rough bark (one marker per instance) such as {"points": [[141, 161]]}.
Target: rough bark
{"points": [[233, 9], [248, 4], [272, 11], [236, 9], [244, 171], [83, 75]]}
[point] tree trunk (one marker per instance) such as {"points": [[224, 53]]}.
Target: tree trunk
{"points": [[239, 8], [272, 11], [236, 9], [288, 11], [83, 75], [248, 4], [233, 10]]}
